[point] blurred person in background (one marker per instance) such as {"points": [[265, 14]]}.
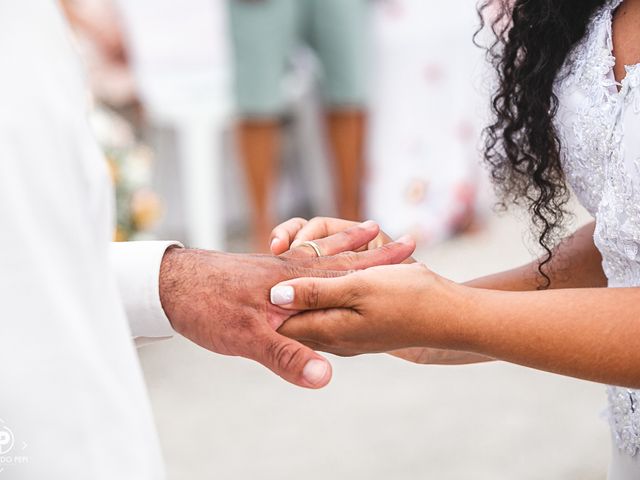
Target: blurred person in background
{"points": [[116, 114], [425, 120], [265, 35], [102, 46], [566, 116]]}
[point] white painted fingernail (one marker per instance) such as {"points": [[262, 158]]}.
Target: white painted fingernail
{"points": [[315, 371], [406, 240], [369, 225], [282, 295]]}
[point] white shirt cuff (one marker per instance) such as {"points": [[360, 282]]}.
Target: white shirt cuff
{"points": [[137, 268]]}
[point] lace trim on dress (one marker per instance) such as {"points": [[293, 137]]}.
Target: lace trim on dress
{"points": [[606, 178], [587, 70]]}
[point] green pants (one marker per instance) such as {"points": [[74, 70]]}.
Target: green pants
{"points": [[265, 32]]}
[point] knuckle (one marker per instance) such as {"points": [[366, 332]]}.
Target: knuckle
{"points": [[388, 248], [293, 269], [349, 258], [311, 296], [286, 355], [319, 226], [386, 252], [341, 262], [352, 232]]}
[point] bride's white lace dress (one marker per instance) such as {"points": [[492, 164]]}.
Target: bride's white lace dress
{"points": [[599, 126]]}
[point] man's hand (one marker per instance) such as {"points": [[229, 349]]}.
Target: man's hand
{"points": [[222, 301]]}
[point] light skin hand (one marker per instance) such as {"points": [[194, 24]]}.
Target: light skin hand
{"points": [[221, 301]]}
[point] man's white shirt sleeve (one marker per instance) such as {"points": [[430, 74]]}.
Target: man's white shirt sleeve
{"points": [[137, 268]]}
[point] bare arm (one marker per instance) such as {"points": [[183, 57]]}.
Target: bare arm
{"points": [[576, 264], [587, 333]]}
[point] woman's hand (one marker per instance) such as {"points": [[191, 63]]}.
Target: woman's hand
{"points": [[292, 232], [297, 230], [372, 311]]}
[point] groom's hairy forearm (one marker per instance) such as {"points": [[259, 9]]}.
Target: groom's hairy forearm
{"points": [[576, 263]]}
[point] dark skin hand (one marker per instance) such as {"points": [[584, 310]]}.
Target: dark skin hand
{"points": [[222, 301]]}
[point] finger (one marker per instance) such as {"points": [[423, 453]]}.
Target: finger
{"points": [[283, 235], [324, 330], [321, 227], [349, 240], [389, 254], [345, 241], [291, 360], [314, 293]]}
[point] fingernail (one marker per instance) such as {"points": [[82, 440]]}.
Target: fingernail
{"points": [[273, 242], [405, 240], [369, 225], [282, 295], [296, 243], [315, 371]]}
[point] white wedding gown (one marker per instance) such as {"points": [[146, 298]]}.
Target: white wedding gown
{"points": [[599, 126]]}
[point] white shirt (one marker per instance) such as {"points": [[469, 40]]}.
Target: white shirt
{"points": [[72, 399]]}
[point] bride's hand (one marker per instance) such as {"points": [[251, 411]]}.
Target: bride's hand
{"points": [[292, 232], [373, 311], [297, 230]]}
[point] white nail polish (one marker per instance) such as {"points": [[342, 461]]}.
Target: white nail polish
{"points": [[282, 295], [315, 371]]}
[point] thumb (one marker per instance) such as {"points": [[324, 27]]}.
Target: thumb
{"points": [[315, 293], [294, 362]]}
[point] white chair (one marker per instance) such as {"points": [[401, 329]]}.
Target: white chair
{"points": [[182, 66]]}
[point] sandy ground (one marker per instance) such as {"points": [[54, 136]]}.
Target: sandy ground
{"points": [[381, 418]]}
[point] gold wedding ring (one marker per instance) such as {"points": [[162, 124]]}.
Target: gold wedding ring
{"points": [[314, 245]]}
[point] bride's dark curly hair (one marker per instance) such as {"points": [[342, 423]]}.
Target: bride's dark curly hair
{"points": [[533, 39]]}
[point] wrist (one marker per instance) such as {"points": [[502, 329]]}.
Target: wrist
{"points": [[452, 325], [175, 263]]}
